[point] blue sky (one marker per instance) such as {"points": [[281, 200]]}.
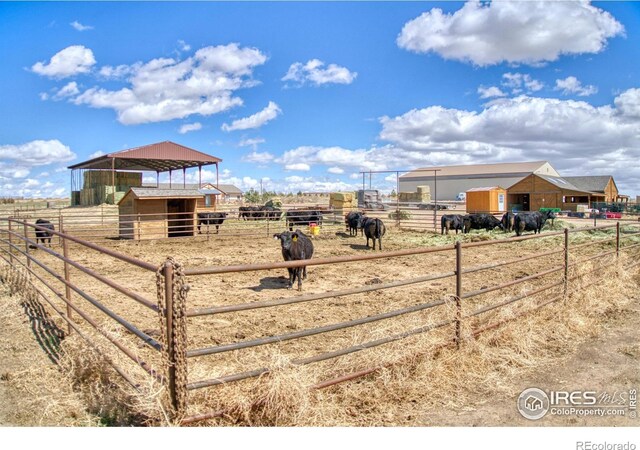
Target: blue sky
{"points": [[305, 95]]}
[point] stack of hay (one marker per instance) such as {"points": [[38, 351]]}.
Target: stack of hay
{"points": [[342, 200], [423, 195]]}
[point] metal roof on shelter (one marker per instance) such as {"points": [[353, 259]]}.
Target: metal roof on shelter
{"points": [[562, 183], [140, 192], [512, 169], [596, 183], [159, 157], [485, 189]]}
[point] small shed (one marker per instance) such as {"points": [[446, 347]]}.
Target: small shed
{"points": [[490, 200], [151, 213]]}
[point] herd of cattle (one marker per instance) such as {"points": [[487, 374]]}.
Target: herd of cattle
{"points": [[293, 218], [295, 245], [521, 222]]}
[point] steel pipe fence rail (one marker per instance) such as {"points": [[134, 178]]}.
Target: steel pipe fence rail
{"points": [[90, 321], [128, 326]]}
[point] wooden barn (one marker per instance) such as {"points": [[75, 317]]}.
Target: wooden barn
{"points": [[151, 213], [540, 191]]}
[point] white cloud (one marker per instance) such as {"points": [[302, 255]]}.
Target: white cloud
{"points": [[184, 46], [490, 92], [165, 89], [298, 166], [96, 154], [78, 26], [258, 158], [335, 170], [527, 32], [256, 120], [187, 127], [571, 85], [68, 90], [37, 153], [628, 104], [519, 82], [313, 72], [121, 71], [253, 143], [70, 61]]}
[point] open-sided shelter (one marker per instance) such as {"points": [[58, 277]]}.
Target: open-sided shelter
{"points": [[107, 178]]}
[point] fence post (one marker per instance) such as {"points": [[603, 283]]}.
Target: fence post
{"points": [[170, 350], [60, 227], [10, 243], [67, 278], [26, 244], [458, 292], [566, 262], [617, 239]]}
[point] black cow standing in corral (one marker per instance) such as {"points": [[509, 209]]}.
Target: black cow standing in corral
{"points": [[248, 212], [374, 229], [508, 221], [44, 235], [532, 221], [302, 217], [480, 221], [451, 222], [211, 218], [295, 246], [269, 213], [355, 221]]}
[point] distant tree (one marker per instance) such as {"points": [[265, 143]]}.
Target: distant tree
{"points": [[252, 196], [393, 194], [299, 194]]}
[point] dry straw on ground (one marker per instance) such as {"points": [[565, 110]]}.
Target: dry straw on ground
{"points": [[416, 374]]}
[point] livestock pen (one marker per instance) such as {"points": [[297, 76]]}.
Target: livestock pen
{"points": [[215, 315]]}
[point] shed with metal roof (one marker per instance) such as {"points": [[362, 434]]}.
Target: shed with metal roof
{"points": [[152, 213]]}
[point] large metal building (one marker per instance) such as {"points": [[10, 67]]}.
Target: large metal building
{"points": [[447, 182]]}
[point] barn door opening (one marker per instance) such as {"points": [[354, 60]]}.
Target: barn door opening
{"points": [[180, 217]]}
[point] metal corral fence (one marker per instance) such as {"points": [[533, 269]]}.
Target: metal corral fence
{"points": [[102, 222], [162, 293], [427, 217]]}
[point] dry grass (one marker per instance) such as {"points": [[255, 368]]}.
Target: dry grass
{"points": [[416, 373]]}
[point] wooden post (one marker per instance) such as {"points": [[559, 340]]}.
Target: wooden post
{"points": [[458, 292], [113, 179], [60, 225], [170, 349], [617, 239]]}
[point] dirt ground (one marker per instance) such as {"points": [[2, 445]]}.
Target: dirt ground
{"points": [[618, 343]]}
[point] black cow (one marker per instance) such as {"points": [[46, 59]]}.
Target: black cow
{"points": [[302, 217], [44, 235], [211, 218], [355, 220], [508, 221], [374, 229], [248, 212], [295, 246], [480, 221], [451, 222], [531, 221], [269, 213]]}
